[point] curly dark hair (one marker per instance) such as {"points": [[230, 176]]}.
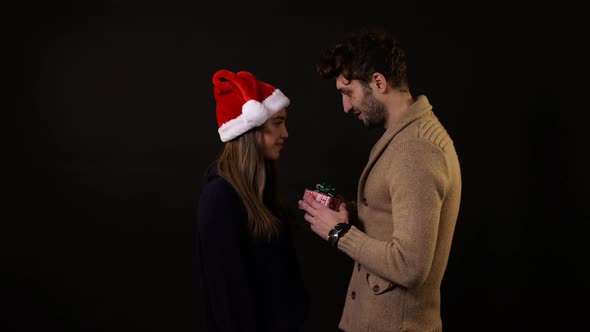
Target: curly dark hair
{"points": [[363, 53]]}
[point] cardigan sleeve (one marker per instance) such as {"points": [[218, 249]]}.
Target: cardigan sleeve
{"points": [[418, 180], [229, 300]]}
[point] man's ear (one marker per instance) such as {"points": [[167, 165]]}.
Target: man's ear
{"points": [[380, 81]]}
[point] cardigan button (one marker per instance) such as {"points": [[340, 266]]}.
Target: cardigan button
{"points": [[364, 201], [358, 267], [353, 295], [375, 289]]}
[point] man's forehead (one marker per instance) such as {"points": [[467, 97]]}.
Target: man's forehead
{"points": [[342, 82]]}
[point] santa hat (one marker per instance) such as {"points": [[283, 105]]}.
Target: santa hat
{"points": [[243, 102]]}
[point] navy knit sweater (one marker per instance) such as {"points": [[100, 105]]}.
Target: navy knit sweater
{"points": [[247, 285]]}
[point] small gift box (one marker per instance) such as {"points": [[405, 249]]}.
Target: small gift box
{"points": [[325, 194]]}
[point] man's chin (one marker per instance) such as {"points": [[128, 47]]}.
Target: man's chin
{"points": [[371, 125]]}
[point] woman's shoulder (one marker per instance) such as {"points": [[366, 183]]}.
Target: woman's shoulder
{"points": [[220, 204], [213, 183], [219, 189]]}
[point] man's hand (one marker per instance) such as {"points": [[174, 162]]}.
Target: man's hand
{"points": [[321, 218]]}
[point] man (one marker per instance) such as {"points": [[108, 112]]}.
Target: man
{"points": [[408, 194]]}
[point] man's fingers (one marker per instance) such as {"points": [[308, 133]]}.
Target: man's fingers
{"points": [[307, 206], [342, 206], [312, 202]]}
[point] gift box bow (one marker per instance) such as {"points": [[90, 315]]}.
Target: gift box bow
{"points": [[326, 189]]}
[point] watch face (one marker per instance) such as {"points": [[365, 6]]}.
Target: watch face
{"points": [[332, 236], [335, 232]]}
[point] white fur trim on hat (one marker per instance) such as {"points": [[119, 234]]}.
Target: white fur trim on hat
{"points": [[254, 114], [276, 101]]}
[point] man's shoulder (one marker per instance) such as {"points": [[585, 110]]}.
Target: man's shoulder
{"points": [[429, 130]]}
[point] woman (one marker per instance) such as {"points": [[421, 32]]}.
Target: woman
{"points": [[250, 274]]}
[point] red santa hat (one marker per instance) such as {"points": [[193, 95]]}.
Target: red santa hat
{"points": [[243, 102]]}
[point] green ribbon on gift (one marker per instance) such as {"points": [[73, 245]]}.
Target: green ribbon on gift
{"points": [[326, 189]]}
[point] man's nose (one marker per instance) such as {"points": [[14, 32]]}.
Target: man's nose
{"points": [[346, 105]]}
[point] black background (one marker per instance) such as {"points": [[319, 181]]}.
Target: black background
{"points": [[115, 124]]}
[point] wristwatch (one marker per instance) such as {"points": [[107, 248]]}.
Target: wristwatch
{"points": [[337, 232]]}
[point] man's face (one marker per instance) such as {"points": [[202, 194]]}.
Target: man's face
{"points": [[359, 100]]}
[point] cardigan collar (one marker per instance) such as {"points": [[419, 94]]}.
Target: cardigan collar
{"points": [[420, 108]]}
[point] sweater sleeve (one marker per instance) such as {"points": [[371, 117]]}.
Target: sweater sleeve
{"points": [[229, 304], [418, 179]]}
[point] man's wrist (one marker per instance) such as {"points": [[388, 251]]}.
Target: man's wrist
{"points": [[337, 232]]}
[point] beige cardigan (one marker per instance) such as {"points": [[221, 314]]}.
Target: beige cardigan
{"points": [[408, 202]]}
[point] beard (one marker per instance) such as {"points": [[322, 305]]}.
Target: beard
{"points": [[373, 111]]}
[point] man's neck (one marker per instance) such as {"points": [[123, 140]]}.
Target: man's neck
{"points": [[397, 103]]}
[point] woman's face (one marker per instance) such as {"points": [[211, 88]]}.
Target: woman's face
{"points": [[274, 134]]}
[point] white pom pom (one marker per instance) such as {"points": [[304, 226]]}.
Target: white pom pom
{"points": [[254, 113]]}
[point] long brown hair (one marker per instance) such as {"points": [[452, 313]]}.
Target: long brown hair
{"points": [[243, 165]]}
